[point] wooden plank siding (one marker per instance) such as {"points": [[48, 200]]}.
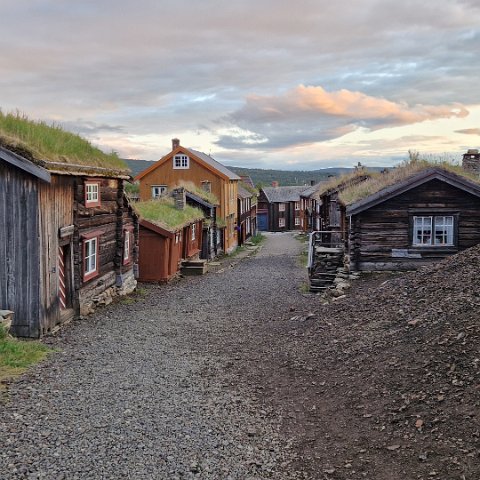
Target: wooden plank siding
{"points": [[378, 230], [19, 249], [56, 211]]}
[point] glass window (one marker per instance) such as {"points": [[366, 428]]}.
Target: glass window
{"points": [[281, 207], [180, 161], [92, 194], [90, 260], [433, 230]]}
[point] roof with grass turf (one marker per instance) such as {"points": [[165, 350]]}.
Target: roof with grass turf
{"points": [[198, 191], [55, 149], [163, 213], [380, 186]]}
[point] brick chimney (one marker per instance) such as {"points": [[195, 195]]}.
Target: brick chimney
{"points": [[175, 143], [274, 183], [179, 197], [471, 161]]}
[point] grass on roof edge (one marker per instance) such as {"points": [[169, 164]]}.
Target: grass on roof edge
{"points": [[378, 181], [39, 141], [164, 213]]}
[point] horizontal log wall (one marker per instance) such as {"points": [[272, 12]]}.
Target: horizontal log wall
{"points": [[387, 226]]}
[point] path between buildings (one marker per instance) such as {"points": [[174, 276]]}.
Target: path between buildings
{"points": [[154, 387]]}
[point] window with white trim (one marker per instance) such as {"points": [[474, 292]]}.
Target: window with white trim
{"points": [[194, 231], [434, 231], [92, 194], [90, 247], [281, 207], [126, 247], [158, 190], [297, 220], [297, 205], [181, 161], [281, 222]]}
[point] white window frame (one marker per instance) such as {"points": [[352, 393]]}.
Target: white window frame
{"points": [[90, 261], [297, 205], [181, 161], [281, 207], [281, 223], [126, 247], [161, 190], [92, 194], [194, 231], [297, 221], [427, 225]]}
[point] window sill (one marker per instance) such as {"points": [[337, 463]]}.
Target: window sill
{"points": [[89, 276]]}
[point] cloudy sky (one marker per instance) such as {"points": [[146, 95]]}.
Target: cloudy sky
{"points": [[291, 84]]}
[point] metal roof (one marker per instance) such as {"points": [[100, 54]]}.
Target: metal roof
{"points": [[283, 194], [216, 165]]}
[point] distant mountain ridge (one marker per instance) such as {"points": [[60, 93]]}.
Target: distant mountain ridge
{"points": [[262, 177]]}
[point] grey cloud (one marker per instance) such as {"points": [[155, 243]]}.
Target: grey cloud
{"points": [[469, 131]]}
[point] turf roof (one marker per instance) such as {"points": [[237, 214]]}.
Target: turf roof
{"points": [[53, 147], [378, 181], [163, 213]]}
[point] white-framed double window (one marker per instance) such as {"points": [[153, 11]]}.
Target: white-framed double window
{"points": [[297, 221], [281, 222], [194, 231], [281, 207], [181, 161], [297, 205], [434, 230], [158, 190]]}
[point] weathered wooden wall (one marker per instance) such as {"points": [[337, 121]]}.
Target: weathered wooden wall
{"points": [[56, 211], [19, 250], [192, 247], [378, 230]]}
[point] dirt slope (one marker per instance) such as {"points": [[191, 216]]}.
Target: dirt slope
{"points": [[384, 384]]}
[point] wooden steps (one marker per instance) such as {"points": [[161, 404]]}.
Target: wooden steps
{"points": [[194, 267]]}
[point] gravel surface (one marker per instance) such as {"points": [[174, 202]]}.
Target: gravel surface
{"points": [[152, 387]]}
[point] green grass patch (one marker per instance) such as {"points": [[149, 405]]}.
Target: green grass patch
{"points": [[17, 355], [257, 239], [50, 142], [164, 213], [199, 192]]}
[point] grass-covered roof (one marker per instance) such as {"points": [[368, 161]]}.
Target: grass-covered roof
{"points": [[163, 212], [198, 191], [53, 147], [378, 181]]}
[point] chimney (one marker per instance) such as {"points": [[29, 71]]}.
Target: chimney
{"points": [[175, 143], [471, 161], [275, 184], [179, 197]]}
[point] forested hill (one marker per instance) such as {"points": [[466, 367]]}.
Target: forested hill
{"points": [[262, 177]]}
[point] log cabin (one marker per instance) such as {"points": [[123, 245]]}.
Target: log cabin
{"points": [[187, 165], [410, 216], [247, 208], [170, 238], [68, 236]]}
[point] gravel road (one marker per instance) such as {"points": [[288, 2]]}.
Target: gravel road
{"points": [[150, 387]]}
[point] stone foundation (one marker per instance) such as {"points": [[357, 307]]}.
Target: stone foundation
{"points": [[104, 289]]}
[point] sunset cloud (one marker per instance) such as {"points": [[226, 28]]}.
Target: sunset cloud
{"points": [[309, 114], [469, 131]]}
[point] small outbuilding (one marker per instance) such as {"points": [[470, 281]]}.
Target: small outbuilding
{"points": [[170, 233]]}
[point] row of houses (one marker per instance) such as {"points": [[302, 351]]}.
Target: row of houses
{"points": [[398, 219], [71, 239]]}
